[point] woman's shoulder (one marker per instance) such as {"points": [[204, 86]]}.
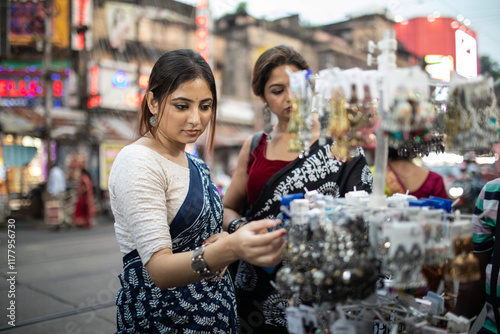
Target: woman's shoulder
{"points": [[138, 153], [433, 175], [136, 157]]}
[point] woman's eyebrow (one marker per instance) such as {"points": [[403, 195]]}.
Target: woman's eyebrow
{"points": [[189, 100]]}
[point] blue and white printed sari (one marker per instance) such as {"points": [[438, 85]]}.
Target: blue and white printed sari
{"points": [[201, 307]]}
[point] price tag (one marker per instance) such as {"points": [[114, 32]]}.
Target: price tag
{"points": [[309, 317], [294, 320], [343, 326]]}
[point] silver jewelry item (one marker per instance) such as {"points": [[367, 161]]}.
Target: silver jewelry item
{"points": [[268, 128], [153, 121]]}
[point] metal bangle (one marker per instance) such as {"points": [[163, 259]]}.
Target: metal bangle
{"points": [[198, 263], [236, 224]]}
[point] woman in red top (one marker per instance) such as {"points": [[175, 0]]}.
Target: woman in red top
{"points": [[84, 207], [403, 175], [270, 171]]}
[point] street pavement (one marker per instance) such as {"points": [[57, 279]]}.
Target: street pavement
{"points": [[58, 281]]}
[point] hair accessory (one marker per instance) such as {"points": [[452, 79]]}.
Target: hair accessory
{"points": [[153, 121], [268, 128]]}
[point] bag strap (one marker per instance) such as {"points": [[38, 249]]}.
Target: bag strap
{"points": [[255, 140], [494, 271]]}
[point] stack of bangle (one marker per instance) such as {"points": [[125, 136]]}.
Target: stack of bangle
{"points": [[236, 224]]}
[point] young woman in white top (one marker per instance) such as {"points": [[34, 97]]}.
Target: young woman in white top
{"points": [[168, 213]]}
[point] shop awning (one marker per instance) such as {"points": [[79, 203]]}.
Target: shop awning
{"points": [[113, 127], [21, 120], [66, 122]]}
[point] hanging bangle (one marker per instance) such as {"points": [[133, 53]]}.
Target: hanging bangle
{"points": [[236, 224]]}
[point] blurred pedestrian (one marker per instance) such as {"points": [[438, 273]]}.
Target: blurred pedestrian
{"points": [[266, 170], [84, 206], [56, 185], [53, 201], [168, 212]]}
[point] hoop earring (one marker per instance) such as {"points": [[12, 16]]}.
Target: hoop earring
{"points": [[153, 121], [268, 128]]}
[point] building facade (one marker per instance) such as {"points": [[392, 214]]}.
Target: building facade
{"points": [[101, 59]]}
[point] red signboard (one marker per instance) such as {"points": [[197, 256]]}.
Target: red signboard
{"points": [[421, 37], [30, 88]]}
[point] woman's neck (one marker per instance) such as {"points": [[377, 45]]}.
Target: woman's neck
{"points": [[174, 153]]}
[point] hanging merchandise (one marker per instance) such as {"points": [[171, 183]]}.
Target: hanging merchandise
{"points": [[347, 110], [367, 263], [471, 118], [344, 259], [301, 118], [410, 122]]}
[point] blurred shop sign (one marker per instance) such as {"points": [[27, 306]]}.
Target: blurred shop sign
{"points": [[81, 22], [21, 83], [121, 24], [117, 85], [27, 23], [17, 155], [107, 155], [466, 54]]}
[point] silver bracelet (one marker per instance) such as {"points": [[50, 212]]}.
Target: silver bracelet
{"points": [[198, 263]]}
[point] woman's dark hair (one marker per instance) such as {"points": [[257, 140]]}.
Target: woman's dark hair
{"points": [[85, 171], [269, 60], [171, 70]]}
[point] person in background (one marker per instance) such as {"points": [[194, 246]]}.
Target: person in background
{"points": [[264, 173], [84, 213], [403, 175], [56, 185], [56, 189], [473, 296], [168, 212]]}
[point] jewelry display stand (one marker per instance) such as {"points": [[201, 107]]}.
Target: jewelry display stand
{"points": [[353, 264]]}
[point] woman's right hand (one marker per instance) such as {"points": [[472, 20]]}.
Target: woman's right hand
{"points": [[255, 244]]}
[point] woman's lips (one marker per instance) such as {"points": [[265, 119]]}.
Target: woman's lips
{"points": [[192, 132]]}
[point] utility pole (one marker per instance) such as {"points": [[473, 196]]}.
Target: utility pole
{"points": [[47, 80]]}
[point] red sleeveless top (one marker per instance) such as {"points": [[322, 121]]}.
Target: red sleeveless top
{"points": [[260, 170]]}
